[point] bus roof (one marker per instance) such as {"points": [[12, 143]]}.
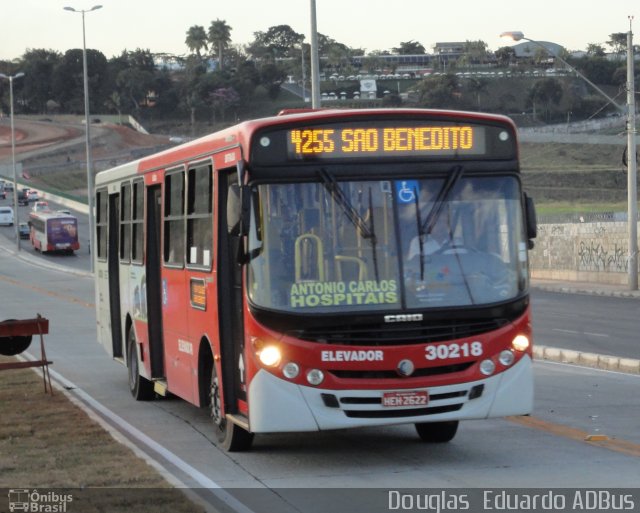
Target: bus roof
{"points": [[47, 214], [242, 133]]}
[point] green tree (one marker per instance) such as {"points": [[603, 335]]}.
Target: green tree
{"points": [[410, 48], [68, 81], [196, 39], [134, 84], [277, 42], [476, 86], [505, 55], [38, 66], [133, 78], [439, 91], [476, 51], [219, 36], [618, 42], [547, 92], [595, 50]]}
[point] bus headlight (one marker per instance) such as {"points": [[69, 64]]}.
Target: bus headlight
{"points": [[315, 377], [270, 356], [506, 357], [291, 370], [520, 343], [487, 367]]}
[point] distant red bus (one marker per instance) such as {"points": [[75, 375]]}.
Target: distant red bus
{"points": [[281, 272], [53, 231]]}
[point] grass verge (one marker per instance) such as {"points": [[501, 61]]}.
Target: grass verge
{"points": [[47, 442]]}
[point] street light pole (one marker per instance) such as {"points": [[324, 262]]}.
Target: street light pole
{"points": [[315, 61], [13, 155], [632, 171], [632, 165], [87, 132]]}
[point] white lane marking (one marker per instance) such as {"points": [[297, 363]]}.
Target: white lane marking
{"points": [[574, 332]]}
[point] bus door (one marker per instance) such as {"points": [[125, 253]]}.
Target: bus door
{"points": [[113, 264], [230, 294], [153, 279]]}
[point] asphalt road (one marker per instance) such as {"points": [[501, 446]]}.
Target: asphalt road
{"points": [[587, 323], [78, 261], [285, 471]]}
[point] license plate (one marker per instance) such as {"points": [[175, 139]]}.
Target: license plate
{"points": [[405, 398], [62, 245]]}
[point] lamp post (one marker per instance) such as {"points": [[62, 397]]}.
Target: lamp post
{"points": [[632, 165], [13, 154], [315, 61], [632, 171], [87, 131]]}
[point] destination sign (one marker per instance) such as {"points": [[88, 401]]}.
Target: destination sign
{"points": [[339, 142]]}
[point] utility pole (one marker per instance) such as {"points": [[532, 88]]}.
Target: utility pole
{"points": [[632, 165], [315, 61]]}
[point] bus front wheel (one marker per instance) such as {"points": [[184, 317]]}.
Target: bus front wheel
{"points": [[230, 436], [141, 388], [437, 432]]}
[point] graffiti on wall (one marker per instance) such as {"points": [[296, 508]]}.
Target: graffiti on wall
{"points": [[595, 256], [593, 247]]}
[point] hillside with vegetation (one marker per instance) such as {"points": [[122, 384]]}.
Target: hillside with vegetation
{"points": [[216, 83]]}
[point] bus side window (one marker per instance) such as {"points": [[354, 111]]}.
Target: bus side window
{"points": [[174, 219], [199, 216], [101, 224], [137, 222], [125, 221]]}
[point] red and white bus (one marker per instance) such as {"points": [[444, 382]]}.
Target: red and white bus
{"points": [[53, 231], [279, 272]]}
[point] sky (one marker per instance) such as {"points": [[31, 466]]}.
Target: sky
{"points": [[160, 25]]}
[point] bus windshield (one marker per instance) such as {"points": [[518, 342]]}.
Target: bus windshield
{"points": [[336, 246]]}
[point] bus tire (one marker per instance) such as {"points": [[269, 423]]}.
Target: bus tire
{"points": [[230, 436], [437, 432], [141, 388]]}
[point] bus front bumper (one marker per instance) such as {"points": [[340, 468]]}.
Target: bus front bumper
{"points": [[276, 405]]}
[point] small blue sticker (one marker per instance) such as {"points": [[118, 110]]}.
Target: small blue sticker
{"points": [[406, 190], [165, 299]]}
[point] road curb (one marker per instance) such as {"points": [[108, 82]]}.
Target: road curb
{"points": [[25, 257], [592, 290], [591, 360]]}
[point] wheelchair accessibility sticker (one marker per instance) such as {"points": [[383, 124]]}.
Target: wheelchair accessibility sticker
{"points": [[407, 190]]}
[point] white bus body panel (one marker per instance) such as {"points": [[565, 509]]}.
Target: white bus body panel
{"points": [[276, 405]]}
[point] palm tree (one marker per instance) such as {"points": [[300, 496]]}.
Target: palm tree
{"points": [[219, 37], [477, 86], [196, 39]]}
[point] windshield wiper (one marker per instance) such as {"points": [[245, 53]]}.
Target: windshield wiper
{"points": [[425, 228], [367, 232]]}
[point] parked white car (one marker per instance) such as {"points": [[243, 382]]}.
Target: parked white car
{"points": [[6, 216]]}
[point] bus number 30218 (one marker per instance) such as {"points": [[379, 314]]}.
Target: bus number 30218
{"points": [[444, 351]]}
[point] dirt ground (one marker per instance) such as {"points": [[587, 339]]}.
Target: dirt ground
{"points": [[47, 442], [48, 136]]}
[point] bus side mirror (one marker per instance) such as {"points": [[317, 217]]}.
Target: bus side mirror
{"points": [[234, 209], [531, 219], [238, 208]]}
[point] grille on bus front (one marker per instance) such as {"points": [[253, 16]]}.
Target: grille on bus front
{"points": [[398, 333], [370, 406], [392, 374]]}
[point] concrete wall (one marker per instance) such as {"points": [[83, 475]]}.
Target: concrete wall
{"points": [[592, 251]]}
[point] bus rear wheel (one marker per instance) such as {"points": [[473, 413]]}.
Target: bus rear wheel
{"points": [[437, 432], [230, 436], [141, 388]]}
